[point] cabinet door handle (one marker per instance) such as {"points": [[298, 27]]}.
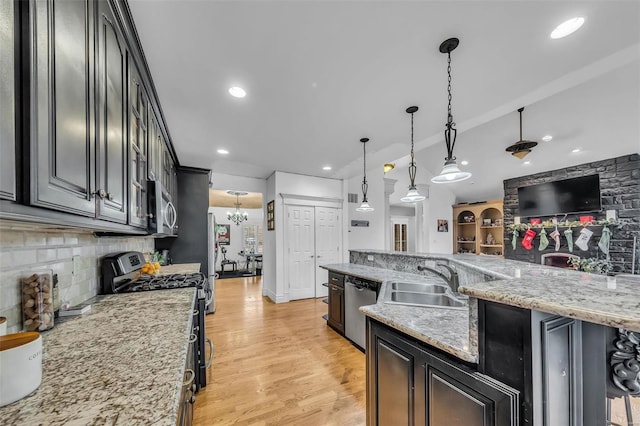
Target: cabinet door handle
{"points": [[101, 193], [109, 196]]}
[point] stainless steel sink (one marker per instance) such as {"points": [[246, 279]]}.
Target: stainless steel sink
{"points": [[419, 288], [429, 295], [426, 299]]}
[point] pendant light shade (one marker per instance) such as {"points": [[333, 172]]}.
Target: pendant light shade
{"points": [[521, 148], [413, 196], [450, 172], [364, 207]]}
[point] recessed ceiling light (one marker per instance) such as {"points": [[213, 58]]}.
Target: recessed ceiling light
{"points": [[576, 150], [326, 168], [464, 162], [223, 151], [567, 27], [547, 138], [526, 163], [237, 92]]}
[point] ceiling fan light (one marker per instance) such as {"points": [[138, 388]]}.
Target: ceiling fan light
{"points": [[450, 173], [365, 207], [413, 196], [521, 153]]}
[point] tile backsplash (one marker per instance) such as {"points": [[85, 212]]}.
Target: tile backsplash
{"points": [[24, 250]]}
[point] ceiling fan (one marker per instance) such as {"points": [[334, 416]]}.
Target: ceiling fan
{"points": [[521, 148]]}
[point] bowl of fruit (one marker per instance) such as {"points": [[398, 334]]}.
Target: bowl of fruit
{"points": [[150, 268]]}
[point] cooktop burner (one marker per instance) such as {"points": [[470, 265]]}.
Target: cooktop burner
{"points": [[153, 282]]}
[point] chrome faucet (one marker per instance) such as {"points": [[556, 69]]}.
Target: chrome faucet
{"points": [[452, 280]]}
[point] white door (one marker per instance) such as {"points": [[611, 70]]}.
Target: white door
{"points": [[301, 252], [327, 244]]}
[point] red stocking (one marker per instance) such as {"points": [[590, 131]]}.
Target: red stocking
{"points": [[527, 241]]}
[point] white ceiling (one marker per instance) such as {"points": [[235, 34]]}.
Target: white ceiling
{"points": [[322, 74]]}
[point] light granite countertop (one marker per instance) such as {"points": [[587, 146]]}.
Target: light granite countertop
{"points": [[446, 329], [121, 364], [594, 298]]}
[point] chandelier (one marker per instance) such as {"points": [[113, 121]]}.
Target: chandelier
{"points": [[237, 217]]}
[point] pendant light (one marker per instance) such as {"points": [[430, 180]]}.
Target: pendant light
{"points": [[521, 148], [413, 196], [364, 207], [450, 172]]}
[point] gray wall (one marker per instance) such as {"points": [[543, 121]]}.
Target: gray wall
{"points": [[620, 191]]}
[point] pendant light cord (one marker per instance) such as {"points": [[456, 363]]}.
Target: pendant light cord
{"points": [[450, 126]]}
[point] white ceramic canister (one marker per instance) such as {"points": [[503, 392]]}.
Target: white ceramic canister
{"points": [[23, 352]]}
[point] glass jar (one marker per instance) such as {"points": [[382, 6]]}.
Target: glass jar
{"points": [[37, 300]]}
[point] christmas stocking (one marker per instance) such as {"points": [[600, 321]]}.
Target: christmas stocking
{"points": [[568, 234], [604, 240], [556, 237], [514, 240], [528, 239], [583, 239], [544, 241]]}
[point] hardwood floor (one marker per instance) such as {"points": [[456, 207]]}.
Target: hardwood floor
{"points": [[278, 364]]}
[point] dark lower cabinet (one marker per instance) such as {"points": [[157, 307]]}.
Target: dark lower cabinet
{"points": [[61, 118], [7, 101], [558, 364], [408, 383], [336, 302]]}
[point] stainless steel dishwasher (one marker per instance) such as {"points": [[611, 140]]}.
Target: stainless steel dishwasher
{"points": [[357, 292]]}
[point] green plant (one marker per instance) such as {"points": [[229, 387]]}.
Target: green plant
{"points": [[592, 264]]}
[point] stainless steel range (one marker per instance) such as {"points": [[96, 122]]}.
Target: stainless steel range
{"points": [[121, 273]]}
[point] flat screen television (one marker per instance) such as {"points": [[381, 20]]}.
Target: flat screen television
{"points": [[576, 195]]}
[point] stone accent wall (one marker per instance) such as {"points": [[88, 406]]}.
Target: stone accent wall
{"points": [[620, 191], [24, 250]]}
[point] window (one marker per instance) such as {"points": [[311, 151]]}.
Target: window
{"points": [[252, 237], [400, 236]]}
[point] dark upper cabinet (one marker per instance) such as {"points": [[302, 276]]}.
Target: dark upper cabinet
{"points": [[61, 115], [111, 77], [138, 139], [81, 130], [153, 147], [7, 101]]}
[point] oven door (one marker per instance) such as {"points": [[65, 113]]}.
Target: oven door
{"points": [[162, 213]]}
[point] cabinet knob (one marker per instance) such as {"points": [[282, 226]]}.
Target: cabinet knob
{"points": [[100, 193], [109, 196]]}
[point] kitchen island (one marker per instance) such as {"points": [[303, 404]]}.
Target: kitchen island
{"points": [[532, 329], [121, 364]]}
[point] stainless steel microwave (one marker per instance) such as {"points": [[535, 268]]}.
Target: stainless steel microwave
{"points": [[163, 215]]}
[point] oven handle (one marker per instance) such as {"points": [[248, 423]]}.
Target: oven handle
{"points": [[210, 360], [192, 377], [209, 298]]}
